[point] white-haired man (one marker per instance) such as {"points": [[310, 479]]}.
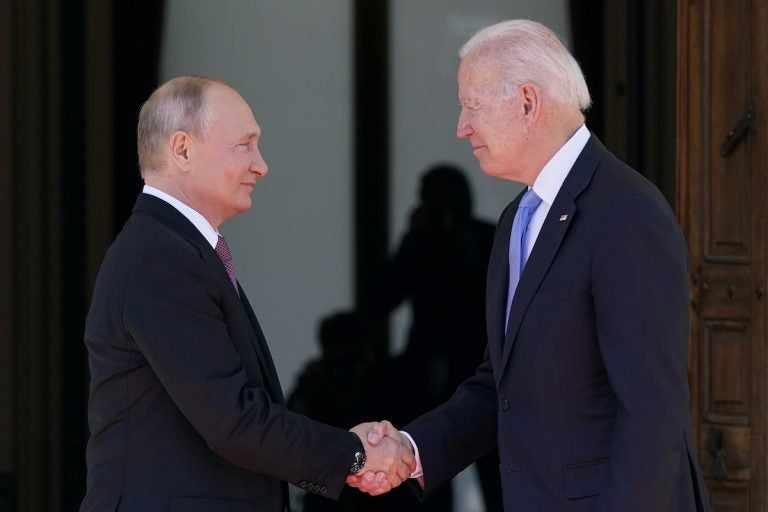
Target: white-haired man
{"points": [[584, 386]]}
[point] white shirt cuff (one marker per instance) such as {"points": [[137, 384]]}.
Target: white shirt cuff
{"points": [[419, 471]]}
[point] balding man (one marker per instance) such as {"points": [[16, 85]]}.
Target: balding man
{"points": [[186, 411]]}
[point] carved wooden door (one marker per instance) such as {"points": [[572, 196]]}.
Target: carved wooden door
{"points": [[722, 202]]}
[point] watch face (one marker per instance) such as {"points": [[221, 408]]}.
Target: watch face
{"points": [[358, 463]]}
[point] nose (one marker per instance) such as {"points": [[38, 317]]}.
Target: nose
{"points": [[463, 127], [259, 165]]}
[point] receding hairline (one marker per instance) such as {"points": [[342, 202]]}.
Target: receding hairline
{"points": [[203, 81], [182, 85]]}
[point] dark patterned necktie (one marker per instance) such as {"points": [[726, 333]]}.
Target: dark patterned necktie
{"points": [[222, 249]]}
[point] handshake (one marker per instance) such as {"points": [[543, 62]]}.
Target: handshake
{"points": [[390, 459]]}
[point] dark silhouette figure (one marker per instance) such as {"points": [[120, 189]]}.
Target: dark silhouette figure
{"points": [[332, 389], [335, 389], [439, 268]]}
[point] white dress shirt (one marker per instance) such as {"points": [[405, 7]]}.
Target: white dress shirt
{"points": [[549, 181]]}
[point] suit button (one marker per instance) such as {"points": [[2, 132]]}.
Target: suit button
{"points": [[504, 404], [323, 490]]}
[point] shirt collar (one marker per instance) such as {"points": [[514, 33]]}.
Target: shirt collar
{"points": [[202, 225], [552, 176]]}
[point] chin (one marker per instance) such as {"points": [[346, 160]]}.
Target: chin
{"points": [[241, 207], [490, 171]]}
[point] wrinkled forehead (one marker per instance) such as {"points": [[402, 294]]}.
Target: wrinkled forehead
{"points": [[478, 74]]}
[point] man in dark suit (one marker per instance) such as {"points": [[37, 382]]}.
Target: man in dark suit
{"points": [[584, 384], [186, 411]]}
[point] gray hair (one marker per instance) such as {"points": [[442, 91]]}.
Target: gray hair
{"points": [[180, 104], [528, 51]]}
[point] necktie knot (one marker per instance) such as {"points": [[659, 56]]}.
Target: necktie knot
{"points": [[222, 249], [530, 200]]}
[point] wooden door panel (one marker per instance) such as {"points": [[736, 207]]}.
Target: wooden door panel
{"points": [[733, 464], [730, 498], [723, 198], [723, 291], [727, 213], [726, 355]]}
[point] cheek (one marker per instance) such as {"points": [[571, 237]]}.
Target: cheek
{"points": [[492, 126], [233, 170], [505, 133]]}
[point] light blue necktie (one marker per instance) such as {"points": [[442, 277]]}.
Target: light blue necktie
{"points": [[517, 253]]}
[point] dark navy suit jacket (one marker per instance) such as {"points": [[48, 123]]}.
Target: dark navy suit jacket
{"points": [[586, 394], [185, 411]]}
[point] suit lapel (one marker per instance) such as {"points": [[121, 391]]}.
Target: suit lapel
{"points": [[179, 224], [262, 350], [544, 250], [547, 244], [255, 343], [498, 281]]}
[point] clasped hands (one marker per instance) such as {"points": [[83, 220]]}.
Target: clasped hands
{"points": [[389, 458]]}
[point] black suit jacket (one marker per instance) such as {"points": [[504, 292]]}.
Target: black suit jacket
{"points": [[186, 411], [586, 393]]}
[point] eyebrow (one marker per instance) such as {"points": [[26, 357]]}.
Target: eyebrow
{"points": [[250, 135]]}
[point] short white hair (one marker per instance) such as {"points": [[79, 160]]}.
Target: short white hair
{"points": [[528, 51], [180, 104]]}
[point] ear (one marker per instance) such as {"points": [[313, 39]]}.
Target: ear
{"points": [[530, 102], [181, 150]]}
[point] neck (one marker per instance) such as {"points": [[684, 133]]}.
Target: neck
{"points": [[552, 136], [169, 184]]}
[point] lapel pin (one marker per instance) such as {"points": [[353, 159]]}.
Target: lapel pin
{"points": [[563, 217]]}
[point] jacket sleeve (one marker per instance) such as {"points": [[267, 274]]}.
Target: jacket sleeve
{"points": [[460, 431]]}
